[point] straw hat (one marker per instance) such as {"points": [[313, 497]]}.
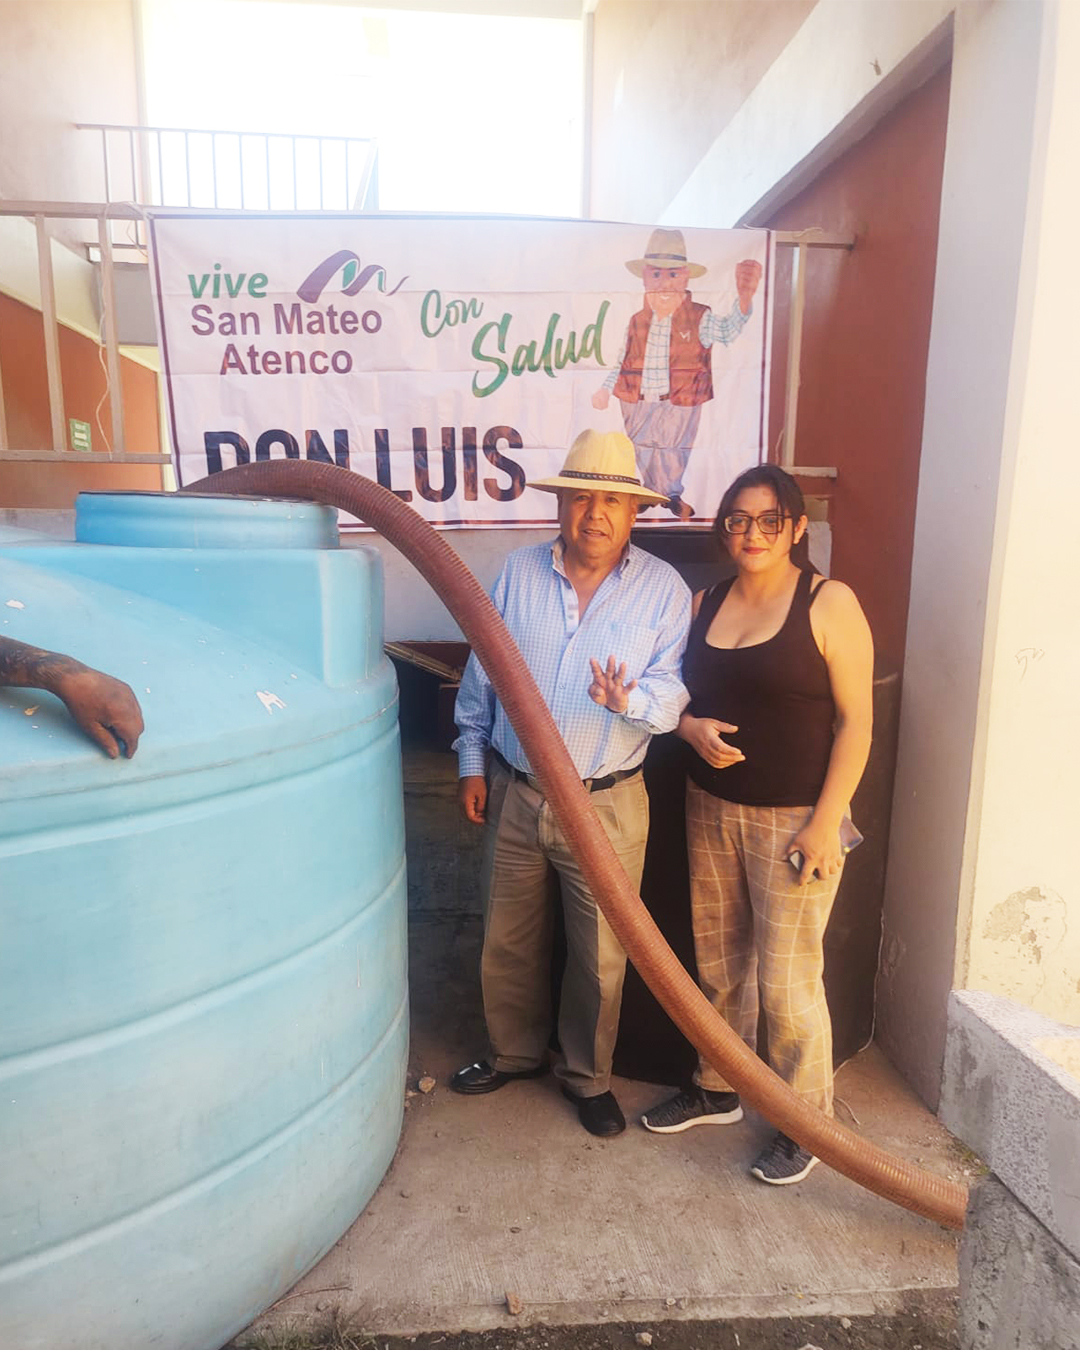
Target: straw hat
{"points": [[600, 460], [666, 248]]}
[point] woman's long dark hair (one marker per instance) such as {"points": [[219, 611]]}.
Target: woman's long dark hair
{"points": [[789, 499]]}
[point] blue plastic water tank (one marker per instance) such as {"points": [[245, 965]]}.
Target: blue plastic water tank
{"points": [[203, 1020]]}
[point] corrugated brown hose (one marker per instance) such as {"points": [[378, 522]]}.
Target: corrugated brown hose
{"points": [[932, 1196]]}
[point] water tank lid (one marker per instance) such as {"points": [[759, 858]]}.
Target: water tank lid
{"points": [[172, 520]]}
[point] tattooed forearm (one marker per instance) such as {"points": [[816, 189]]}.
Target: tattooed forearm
{"points": [[104, 707], [34, 668]]}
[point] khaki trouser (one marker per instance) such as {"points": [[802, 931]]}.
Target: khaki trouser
{"points": [[522, 843], [755, 925]]}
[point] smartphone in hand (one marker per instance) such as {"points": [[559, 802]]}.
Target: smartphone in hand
{"points": [[850, 838]]}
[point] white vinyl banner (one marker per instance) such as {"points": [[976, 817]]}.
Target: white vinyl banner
{"points": [[455, 359]]}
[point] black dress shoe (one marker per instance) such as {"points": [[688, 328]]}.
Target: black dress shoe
{"points": [[600, 1115], [480, 1077]]}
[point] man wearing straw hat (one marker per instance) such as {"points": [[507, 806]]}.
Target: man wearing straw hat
{"points": [[602, 626], [664, 374]]}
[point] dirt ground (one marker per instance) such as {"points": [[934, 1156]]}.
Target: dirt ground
{"points": [[923, 1330], [929, 1323]]}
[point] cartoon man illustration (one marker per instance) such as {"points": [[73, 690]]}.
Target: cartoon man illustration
{"points": [[665, 369]]}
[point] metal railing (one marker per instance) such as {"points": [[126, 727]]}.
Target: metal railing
{"points": [[236, 170], [185, 168], [102, 215]]}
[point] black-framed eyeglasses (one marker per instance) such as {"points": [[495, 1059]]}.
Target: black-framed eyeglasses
{"points": [[770, 523]]}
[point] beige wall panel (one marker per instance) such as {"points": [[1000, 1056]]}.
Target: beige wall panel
{"points": [[62, 62], [667, 79], [1022, 936], [977, 355], [847, 65]]}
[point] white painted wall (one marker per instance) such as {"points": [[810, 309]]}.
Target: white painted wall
{"points": [[977, 377], [666, 78], [849, 62], [1020, 936]]}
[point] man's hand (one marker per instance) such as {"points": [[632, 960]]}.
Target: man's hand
{"points": [[747, 277], [703, 735], [104, 707], [601, 399], [472, 798], [610, 687]]}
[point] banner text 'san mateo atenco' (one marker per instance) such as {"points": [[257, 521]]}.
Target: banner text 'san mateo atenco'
{"points": [[288, 319]]}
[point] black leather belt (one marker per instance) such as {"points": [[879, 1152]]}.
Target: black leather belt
{"points": [[590, 784]]}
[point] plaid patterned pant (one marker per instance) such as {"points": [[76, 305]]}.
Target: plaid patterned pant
{"points": [[754, 925]]}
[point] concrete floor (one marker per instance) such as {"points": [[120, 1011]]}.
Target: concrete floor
{"points": [[507, 1194]]}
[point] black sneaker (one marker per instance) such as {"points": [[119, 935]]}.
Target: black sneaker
{"points": [[693, 1106], [782, 1162]]}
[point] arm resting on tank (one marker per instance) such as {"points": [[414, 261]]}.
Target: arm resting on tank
{"points": [[104, 707]]}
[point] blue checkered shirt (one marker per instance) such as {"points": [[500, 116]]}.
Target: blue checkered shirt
{"points": [[639, 614], [655, 365]]}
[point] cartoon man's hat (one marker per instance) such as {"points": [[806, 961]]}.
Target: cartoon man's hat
{"points": [[666, 248]]}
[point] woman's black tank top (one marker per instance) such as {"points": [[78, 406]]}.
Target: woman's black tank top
{"points": [[777, 693]]}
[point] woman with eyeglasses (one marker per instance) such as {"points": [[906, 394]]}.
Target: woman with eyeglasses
{"points": [[779, 665]]}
